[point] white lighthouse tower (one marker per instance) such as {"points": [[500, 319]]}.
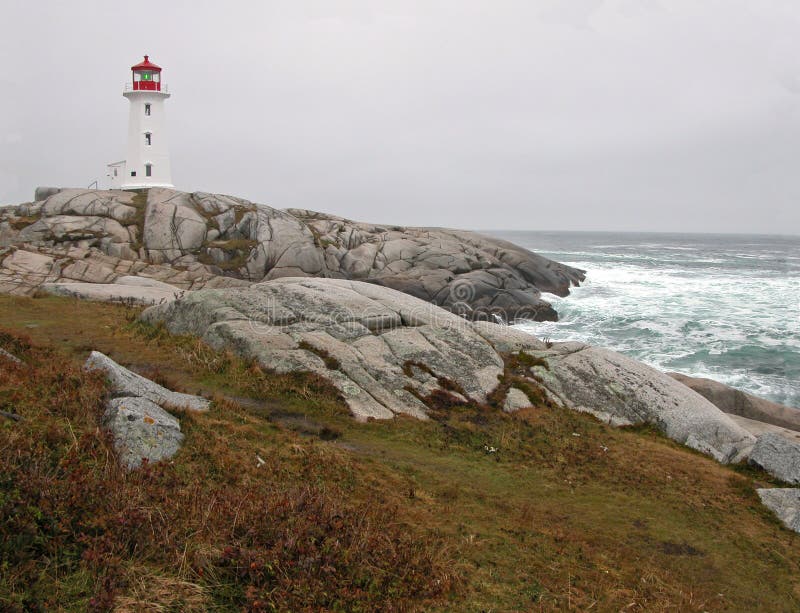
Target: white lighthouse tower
{"points": [[147, 161]]}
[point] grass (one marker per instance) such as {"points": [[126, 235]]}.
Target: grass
{"points": [[331, 363], [474, 510], [20, 223], [237, 250]]}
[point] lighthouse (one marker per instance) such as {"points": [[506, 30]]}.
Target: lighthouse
{"points": [[147, 161]]}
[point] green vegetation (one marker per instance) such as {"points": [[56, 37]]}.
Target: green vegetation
{"points": [[20, 223], [237, 252], [280, 501], [331, 363]]}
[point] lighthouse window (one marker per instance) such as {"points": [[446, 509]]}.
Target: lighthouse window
{"points": [[148, 170], [133, 173], [147, 109], [148, 138]]}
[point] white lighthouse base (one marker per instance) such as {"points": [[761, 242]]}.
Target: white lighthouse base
{"points": [[145, 185]]}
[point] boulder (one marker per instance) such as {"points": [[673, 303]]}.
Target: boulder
{"points": [[42, 193], [74, 228], [757, 428], [172, 227], [785, 503], [515, 400], [142, 430], [737, 402], [778, 455], [28, 264], [384, 351], [622, 391], [5, 355], [138, 290], [78, 202], [125, 383]]}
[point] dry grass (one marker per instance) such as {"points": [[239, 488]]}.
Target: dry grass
{"points": [[215, 526], [565, 514]]}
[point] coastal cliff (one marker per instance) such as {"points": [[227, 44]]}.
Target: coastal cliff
{"points": [[199, 240]]}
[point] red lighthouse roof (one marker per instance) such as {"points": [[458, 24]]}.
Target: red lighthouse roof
{"points": [[146, 65]]}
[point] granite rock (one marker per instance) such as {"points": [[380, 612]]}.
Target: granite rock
{"points": [[197, 240], [778, 455], [125, 383], [785, 503], [387, 353], [142, 430], [737, 402], [515, 400], [5, 355], [138, 290], [622, 391], [384, 351]]}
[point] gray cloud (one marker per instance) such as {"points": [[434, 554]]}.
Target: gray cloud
{"points": [[587, 114]]}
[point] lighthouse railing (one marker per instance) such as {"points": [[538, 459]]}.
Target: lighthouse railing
{"points": [[129, 88]]}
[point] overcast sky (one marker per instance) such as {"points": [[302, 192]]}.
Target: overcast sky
{"points": [[544, 115]]}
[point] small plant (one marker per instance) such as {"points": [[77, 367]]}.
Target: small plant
{"points": [[331, 363], [20, 223]]}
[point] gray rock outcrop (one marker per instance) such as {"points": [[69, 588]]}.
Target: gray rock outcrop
{"points": [[757, 428], [142, 430], [515, 400], [785, 503], [200, 240], [383, 350], [779, 456], [389, 353], [737, 402], [136, 413], [125, 384], [622, 391], [5, 355], [138, 290]]}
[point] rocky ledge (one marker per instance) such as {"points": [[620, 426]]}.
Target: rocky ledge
{"points": [[198, 240], [389, 353]]}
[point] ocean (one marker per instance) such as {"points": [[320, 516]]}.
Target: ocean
{"points": [[726, 307]]}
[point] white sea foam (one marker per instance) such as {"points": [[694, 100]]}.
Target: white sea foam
{"points": [[727, 308]]}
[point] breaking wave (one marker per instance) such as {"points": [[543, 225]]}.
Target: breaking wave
{"points": [[726, 307]]}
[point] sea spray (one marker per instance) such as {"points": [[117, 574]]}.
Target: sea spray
{"points": [[725, 307]]}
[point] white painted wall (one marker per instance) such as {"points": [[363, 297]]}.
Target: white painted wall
{"points": [[116, 174], [139, 152]]}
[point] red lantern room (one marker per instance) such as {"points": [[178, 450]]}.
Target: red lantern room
{"points": [[146, 76]]}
